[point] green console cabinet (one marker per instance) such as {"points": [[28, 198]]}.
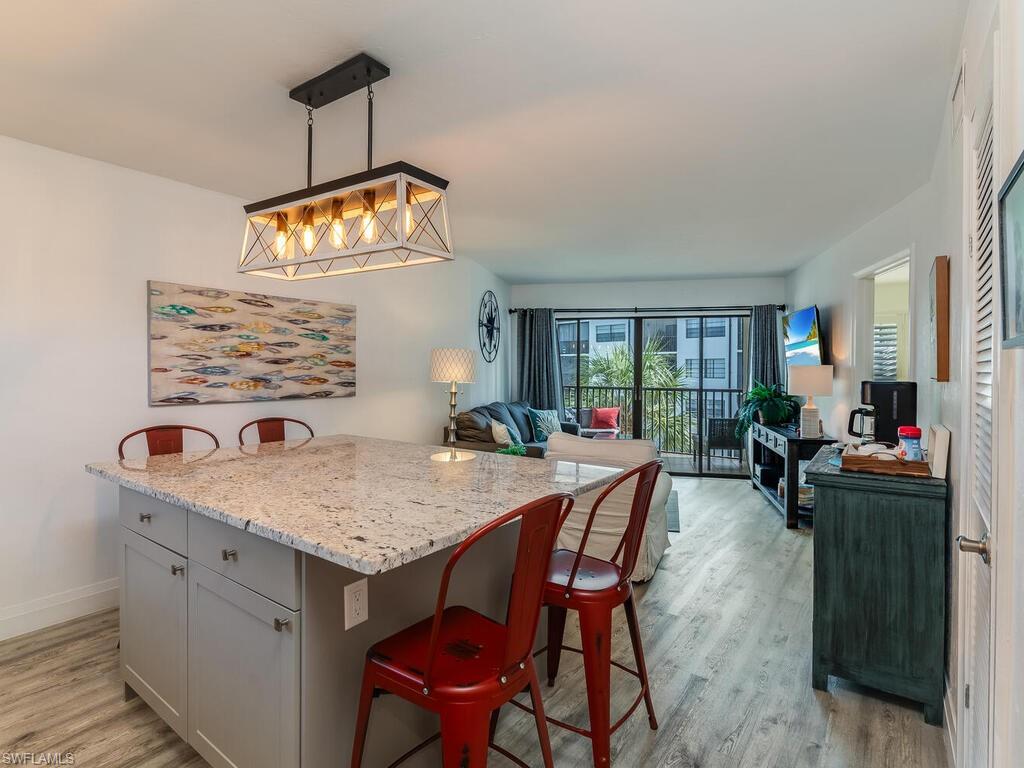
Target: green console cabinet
{"points": [[880, 561]]}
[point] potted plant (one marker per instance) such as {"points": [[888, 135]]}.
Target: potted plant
{"points": [[769, 404]]}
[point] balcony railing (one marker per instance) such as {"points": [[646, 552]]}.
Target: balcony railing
{"points": [[672, 416]]}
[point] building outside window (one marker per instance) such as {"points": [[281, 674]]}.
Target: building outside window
{"points": [[714, 327], [714, 368], [610, 332]]}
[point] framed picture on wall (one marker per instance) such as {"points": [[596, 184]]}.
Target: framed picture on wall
{"points": [[938, 318], [1011, 256]]}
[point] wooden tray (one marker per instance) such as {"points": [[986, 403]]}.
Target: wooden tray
{"points": [[852, 463]]}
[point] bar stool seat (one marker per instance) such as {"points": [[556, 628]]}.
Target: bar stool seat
{"points": [[594, 576], [471, 653]]}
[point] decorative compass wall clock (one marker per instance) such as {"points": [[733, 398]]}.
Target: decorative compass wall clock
{"points": [[490, 326]]}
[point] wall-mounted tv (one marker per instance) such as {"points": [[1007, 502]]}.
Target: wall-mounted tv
{"points": [[802, 331]]}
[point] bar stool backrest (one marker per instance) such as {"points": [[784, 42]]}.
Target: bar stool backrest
{"points": [[540, 522], [271, 430], [629, 545], [163, 439]]}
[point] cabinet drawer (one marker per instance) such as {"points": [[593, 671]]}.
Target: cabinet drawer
{"points": [[244, 675], [270, 569], [157, 520]]}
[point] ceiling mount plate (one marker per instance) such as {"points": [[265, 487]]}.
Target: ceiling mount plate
{"points": [[348, 77]]}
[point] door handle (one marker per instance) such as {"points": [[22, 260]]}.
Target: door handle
{"points": [[229, 554], [145, 517], [975, 546], [176, 569], [280, 624]]}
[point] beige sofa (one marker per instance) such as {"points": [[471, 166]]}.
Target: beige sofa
{"points": [[614, 512]]}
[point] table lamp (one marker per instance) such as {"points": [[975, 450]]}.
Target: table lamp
{"points": [[810, 380], [453, 366]]}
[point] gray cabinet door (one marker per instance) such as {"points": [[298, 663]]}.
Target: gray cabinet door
{"points": [[154, 627], [243, 675]]}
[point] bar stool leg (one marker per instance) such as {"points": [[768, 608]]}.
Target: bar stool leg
{"points": [[556, 633], [362, 719], [464, 735], [641, 664], [596, 632], [542, 724]]}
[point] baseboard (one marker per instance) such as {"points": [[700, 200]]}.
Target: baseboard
{"points": [[949, 718], [47, 611]]}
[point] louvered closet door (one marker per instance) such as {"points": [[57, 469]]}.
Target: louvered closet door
{"points": [[982, 345]]}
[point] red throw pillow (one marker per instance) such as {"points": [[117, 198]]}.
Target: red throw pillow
{"points": [[604, 418]]}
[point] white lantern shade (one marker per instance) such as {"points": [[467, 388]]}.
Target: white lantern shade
{"points": [[810, 380], [449, 364]]}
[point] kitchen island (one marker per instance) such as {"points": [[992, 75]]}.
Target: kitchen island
{"points": [[234, 568]]}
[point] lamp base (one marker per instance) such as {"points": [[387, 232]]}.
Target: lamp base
{"points": [[453, 455], [810, 422]]}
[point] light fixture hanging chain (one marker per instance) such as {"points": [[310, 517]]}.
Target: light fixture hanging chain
{"points": [[309, 147], [369, 127]]}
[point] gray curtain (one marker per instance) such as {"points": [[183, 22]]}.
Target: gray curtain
{"points": [[764, 345], [537, 359]]}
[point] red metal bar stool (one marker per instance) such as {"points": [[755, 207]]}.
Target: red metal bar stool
{"points": [[271, 430], [463, 665], [164, 438], [593, 588]]}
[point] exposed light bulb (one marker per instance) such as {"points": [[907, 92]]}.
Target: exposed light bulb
{"points": [[337, 235], [308, 231], [281, 236], [410, 222], [369, 225]]}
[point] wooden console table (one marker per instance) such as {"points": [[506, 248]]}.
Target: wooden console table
{"points": [[881, 554], [783, 447]]}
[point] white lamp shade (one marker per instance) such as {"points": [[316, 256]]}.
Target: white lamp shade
{"points": [[810, 380], [450, 364]]}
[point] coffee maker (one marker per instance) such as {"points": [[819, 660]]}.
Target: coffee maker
{"points": [[887, 405]]}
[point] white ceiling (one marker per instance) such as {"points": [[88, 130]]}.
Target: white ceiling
{"points": [[584, 139]]}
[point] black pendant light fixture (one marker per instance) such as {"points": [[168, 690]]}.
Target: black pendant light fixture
{"points": [[395, 215]]}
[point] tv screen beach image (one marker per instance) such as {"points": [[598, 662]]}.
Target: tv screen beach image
{"points": [[803, 345]]}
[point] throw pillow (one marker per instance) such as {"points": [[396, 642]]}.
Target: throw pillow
{"points": [[604, 418], [504, 434], [544, 423]]}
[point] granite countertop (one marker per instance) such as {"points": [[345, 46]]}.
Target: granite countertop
{"points": [[367, 504]]}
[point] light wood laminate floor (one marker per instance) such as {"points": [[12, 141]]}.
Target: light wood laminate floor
{"points": [[727, 630]]}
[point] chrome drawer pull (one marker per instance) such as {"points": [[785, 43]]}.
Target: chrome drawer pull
{"points": [[176, 569], [229, 554], [145, 517], [280, 624]]}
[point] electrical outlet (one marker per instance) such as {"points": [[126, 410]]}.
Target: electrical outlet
{"points": [[357, 606]]}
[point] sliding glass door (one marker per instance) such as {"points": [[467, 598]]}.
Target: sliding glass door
{"points": [[676, 380], [597, 372]]}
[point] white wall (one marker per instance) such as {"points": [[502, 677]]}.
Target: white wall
{"points": [[655, 293], [80, 240]]}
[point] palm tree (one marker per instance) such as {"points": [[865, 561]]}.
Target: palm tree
{"points": [[666, 421]]}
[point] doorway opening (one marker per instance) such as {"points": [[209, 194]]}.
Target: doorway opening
{"points": [[890, 346]]}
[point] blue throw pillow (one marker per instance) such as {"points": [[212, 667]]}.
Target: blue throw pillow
{"points": [[544, 423]]}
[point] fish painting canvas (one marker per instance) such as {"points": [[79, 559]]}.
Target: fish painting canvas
{"points": [[215, 346]]}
